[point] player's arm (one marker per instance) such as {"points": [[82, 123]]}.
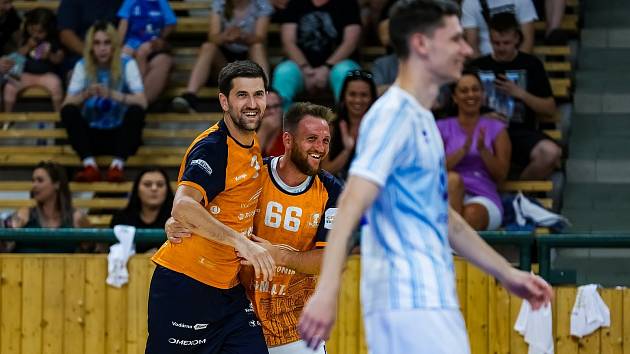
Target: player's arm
{"points": [[305, 262], [319, 313], [467, 243], [188, 211]]}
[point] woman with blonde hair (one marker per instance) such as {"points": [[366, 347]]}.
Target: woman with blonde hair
{"points": [[104, 110]]}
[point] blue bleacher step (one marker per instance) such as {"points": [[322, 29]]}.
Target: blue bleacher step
{"points": [[587, 221], [599, 125], [600, 197], [600, 102], [607, 59], [603, 81], [605, 38], [604, 170]]}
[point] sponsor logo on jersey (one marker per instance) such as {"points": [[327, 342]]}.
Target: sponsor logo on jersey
{"points": [[215, 209], [187, 342], [203, 165], [329, 218]]}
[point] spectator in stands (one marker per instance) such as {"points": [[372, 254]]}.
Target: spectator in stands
{"points": [[320, 38], [53, 208], [270, 131], [40, 53], [238, 31], [150, 203], [477, 156], [476, 15], [357, 95], [74, 18], [9, 31], [105, 107], [517, 87], [145, 25]]}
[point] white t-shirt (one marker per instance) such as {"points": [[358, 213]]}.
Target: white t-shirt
{"points": [[472, 17], [99, 115]]}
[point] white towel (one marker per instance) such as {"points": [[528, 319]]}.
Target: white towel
{"points": [[589, 311], [523, 208], [117, 274], [536, 328]]}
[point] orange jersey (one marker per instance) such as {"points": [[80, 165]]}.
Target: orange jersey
{"points": [[297, 219], [228, 176]]}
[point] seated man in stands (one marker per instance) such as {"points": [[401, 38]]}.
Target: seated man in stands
{"points": [[476, 15], [517, 87], [53, 208], [105, 107], [320, 38]]}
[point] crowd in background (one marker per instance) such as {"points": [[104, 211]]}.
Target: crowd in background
{"points": [[105, 62]]}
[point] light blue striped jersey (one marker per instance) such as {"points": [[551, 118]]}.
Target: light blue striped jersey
{"points": [[406, 260]]}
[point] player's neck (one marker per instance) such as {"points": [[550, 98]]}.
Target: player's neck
{"points": [[415, 79], [289, 173], [242, 136]]}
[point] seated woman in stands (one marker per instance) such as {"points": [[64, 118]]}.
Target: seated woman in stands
{"points": [[238, 31], [478, 153], [104, 110], [145, 27], [53, 207], [36, 59], [357, 95], [150, 203]]}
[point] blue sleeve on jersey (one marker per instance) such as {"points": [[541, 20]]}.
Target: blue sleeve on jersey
{"points": [[206, 165], [125, 9], [334, 187], [167, 12]]}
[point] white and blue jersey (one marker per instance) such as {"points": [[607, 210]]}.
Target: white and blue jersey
{"points": [[406, 260]]}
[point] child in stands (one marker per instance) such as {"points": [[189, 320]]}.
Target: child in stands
{"points": [[36, 59]]}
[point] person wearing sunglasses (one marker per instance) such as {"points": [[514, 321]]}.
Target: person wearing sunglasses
{"points": [[357, 95]]}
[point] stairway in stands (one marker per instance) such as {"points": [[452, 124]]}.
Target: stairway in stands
{"points": [[597, 195]]}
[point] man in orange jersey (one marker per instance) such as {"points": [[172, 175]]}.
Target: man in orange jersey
{"points": [[196, 304], [295, 210]]}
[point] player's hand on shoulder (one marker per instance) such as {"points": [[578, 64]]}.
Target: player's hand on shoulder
{"points": [[528, 286], [175, 231]]}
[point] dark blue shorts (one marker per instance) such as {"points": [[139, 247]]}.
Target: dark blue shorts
{"points": [[187, 316]]}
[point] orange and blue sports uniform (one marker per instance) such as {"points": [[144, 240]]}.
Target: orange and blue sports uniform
{"points": [[196, 303], [297, 220]]}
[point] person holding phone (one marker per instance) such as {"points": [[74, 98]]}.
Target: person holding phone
{"points": [[517, 87]]}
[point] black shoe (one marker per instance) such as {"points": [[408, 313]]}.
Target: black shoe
{"points": [[186, 103], [557, 37]]}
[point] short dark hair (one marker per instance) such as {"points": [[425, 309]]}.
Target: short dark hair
{"points": [[407, 17], [299, 110], [504, 22], [240, 68]]}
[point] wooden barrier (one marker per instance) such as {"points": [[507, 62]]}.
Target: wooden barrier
{"points": [[61, 304]]}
